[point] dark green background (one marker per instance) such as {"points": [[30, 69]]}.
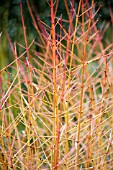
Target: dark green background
{"points": [[10, 21]]}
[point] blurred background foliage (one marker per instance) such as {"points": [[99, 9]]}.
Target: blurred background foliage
{"points": [[10, 22]]}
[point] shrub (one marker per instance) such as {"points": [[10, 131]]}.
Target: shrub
{"points": [[56, 101]]}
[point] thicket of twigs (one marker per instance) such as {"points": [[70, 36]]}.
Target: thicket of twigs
{"points": [[56, 103]]}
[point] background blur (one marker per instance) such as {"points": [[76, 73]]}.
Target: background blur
{"points": [[10, 22]]}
